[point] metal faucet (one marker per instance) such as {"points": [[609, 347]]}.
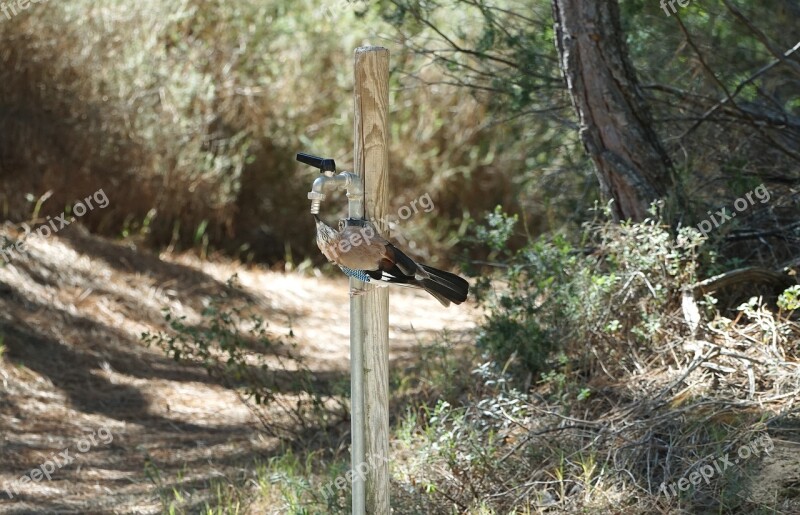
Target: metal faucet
{"points": [[330, 180]]}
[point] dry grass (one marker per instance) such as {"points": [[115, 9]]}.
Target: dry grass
{"points": [[647, 418], [189, 115], [635, 388]]}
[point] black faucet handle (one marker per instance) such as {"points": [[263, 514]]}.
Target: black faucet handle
{"points": [[323, 163]]}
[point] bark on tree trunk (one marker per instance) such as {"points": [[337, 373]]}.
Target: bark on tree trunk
{"points": [[615, 124]]}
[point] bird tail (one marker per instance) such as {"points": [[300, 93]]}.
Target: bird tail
{"points": [[444, 286]]}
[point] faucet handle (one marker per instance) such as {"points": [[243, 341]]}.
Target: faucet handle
{"points": [[324, 164]]}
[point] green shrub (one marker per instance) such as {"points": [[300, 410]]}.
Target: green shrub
{"points": [[615, 282]]}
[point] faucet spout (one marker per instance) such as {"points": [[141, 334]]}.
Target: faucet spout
{"points": [[347, 180]]}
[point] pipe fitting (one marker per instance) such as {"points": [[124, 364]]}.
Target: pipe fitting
{"points": [[348, 180]]}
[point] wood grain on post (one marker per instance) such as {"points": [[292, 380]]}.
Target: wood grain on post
{"points": [[371, 162]]}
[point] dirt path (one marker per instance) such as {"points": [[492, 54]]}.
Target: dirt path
{"points": [[77, 380]]}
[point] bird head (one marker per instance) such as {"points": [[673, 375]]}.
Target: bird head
{"points": [[325, 232]]}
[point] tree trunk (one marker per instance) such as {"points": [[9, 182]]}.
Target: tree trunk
{"points": [[615, 125]]}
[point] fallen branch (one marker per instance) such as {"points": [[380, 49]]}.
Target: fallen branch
{"points": [[749, 275]]}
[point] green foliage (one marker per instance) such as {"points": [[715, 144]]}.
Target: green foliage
{"points": [[789, 300], [501, 54], [693, 64], [498, 229], [558, 296]]}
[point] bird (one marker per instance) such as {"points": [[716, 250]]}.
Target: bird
{"points": [[361, 252]]}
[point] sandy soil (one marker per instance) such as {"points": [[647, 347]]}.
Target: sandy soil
{"points": [[77, 379]]}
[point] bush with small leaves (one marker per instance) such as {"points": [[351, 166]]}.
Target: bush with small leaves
{"points": [[558, 296]]}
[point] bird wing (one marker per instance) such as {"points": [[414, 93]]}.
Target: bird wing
{"points": [[396, 258]]}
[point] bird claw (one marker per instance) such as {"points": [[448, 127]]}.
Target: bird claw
{"points": [[356, 292]]}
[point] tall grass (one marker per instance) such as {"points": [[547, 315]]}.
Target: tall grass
{"points": [[189, 114]]}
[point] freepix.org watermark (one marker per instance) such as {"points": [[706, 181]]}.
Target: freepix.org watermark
{"points": [[360, 471], [671, 4], [718, 466], [367, 234], [333, 9], [11, 9], [715, 220], [58, 460], [52, 226]]}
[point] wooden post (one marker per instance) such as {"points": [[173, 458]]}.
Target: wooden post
{"points": [[369, 313]]}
